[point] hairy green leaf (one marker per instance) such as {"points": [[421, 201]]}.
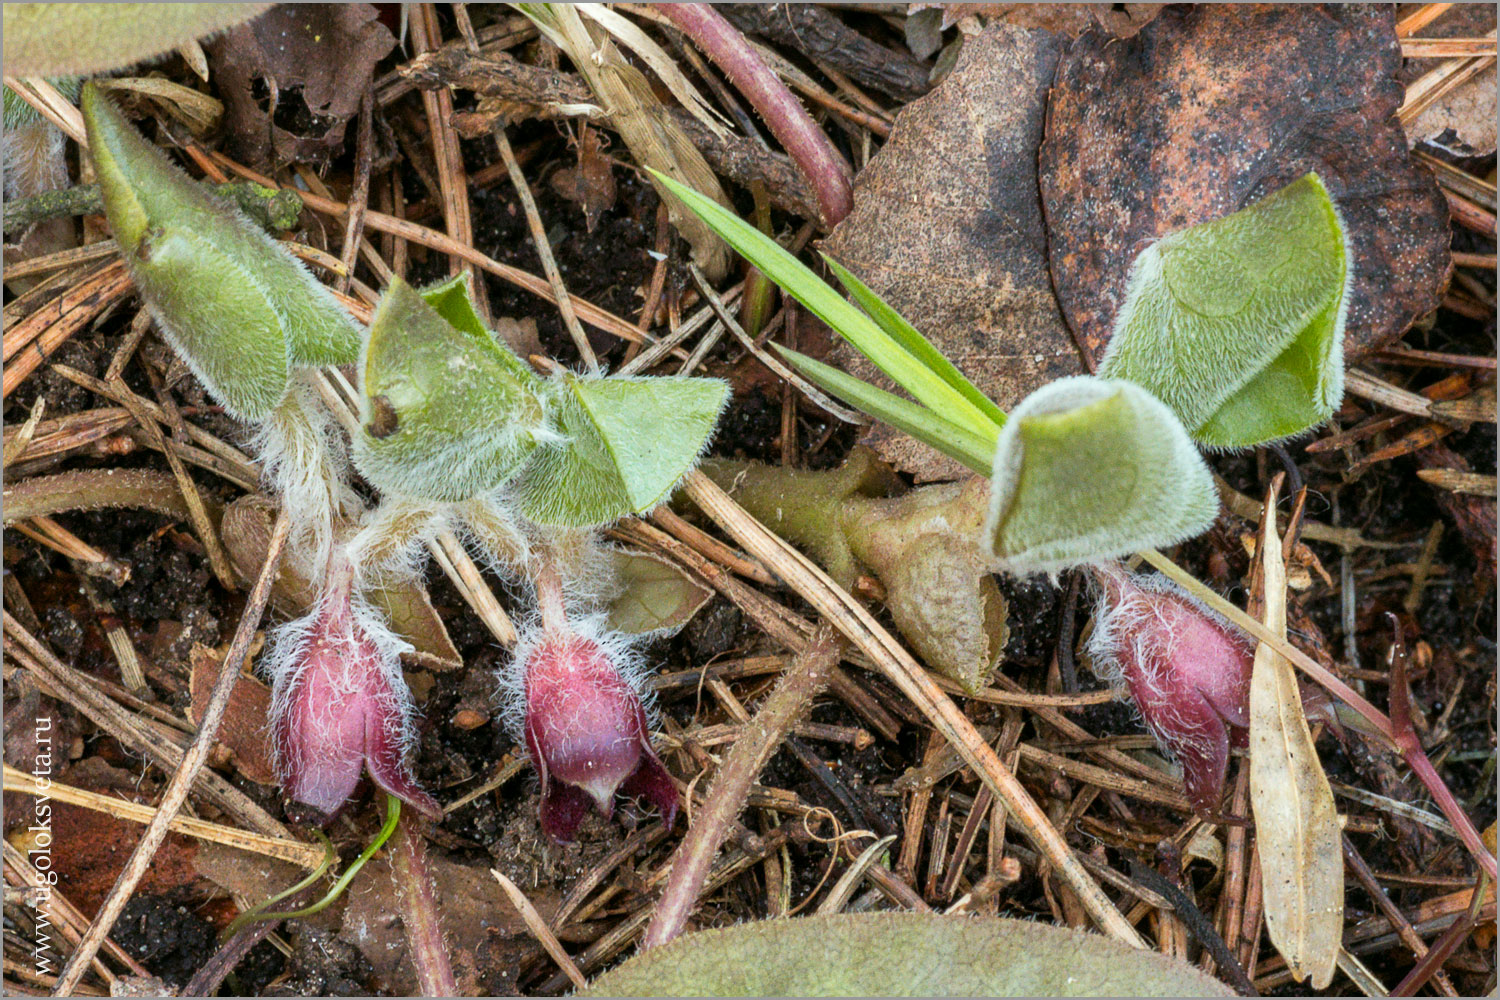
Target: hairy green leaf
{"points": [[901, 954], [628, 441], [1089, 469], [50, 39], [446, 412], [238, 308], [961, 444], [1237, 324], [887, 353]]}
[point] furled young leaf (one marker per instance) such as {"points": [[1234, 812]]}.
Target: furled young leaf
{"points": [[238, 308], [1090, 468], [924, 547], [48, 39], [901, 954], [446, 412], [1296, 820], [628, 441], [654, 596], [912, 371], [1237, 324]]}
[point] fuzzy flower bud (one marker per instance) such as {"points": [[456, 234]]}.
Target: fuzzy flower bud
{"points": [[1186, 667], [576, 700], [339, 704]]}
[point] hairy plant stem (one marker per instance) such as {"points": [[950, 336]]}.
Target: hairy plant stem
{"points": [[806, 678], [419, 912], [799, 135]]}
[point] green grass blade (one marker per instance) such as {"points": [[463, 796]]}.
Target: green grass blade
{"points": [[958, 443], [832, 308], [910, 338]]}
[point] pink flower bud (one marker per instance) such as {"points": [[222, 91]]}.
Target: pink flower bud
{"points": [[339, 704], [584, 724], [1187, 669]]}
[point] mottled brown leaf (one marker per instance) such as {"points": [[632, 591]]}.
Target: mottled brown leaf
{"points": [[486, 939], [947, 227], [321, 54], [1213, 106], [1064, 18], [243, 731]]}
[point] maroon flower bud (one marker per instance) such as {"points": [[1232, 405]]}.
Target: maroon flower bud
{"points": [[1186, 667], [584, 724], [340, 705]]}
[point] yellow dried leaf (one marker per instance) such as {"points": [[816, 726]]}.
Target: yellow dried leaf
{"points": [[1296, 823]]}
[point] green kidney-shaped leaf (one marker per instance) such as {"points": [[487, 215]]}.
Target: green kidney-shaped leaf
{"points": [[1088, 469], [901, 954], [157, 213], [446, 412], [654, 596], [46, 39], [628, 441], [1237, 324]]}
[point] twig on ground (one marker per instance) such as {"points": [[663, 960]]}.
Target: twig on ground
{"points": [[193, 760]]}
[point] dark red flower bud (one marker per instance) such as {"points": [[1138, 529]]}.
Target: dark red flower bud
{"points": [[340, 705], [585, 727], [1186, 667]]}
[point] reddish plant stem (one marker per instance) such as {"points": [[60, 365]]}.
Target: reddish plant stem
{"points": [[826, 172], [806, 677], [1444, 947], [419, 911], [549, 593], [1416, 757]]}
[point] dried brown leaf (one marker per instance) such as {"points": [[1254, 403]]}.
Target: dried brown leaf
{"points": [[655, 596], [243, 731], [327, 51], [1296, 822], [947, 227], [1071, 19], [1213, 106]]}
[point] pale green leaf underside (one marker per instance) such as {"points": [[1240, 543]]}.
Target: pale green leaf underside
{"points": [[146, 192], [1237, 324], [628, 441], [958, 443], [1089, 469], [886, 353], [451, 300], [216, 317], [901, 954]]}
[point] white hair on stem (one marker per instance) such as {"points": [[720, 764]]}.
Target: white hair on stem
{"points": [[305, 464]]}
